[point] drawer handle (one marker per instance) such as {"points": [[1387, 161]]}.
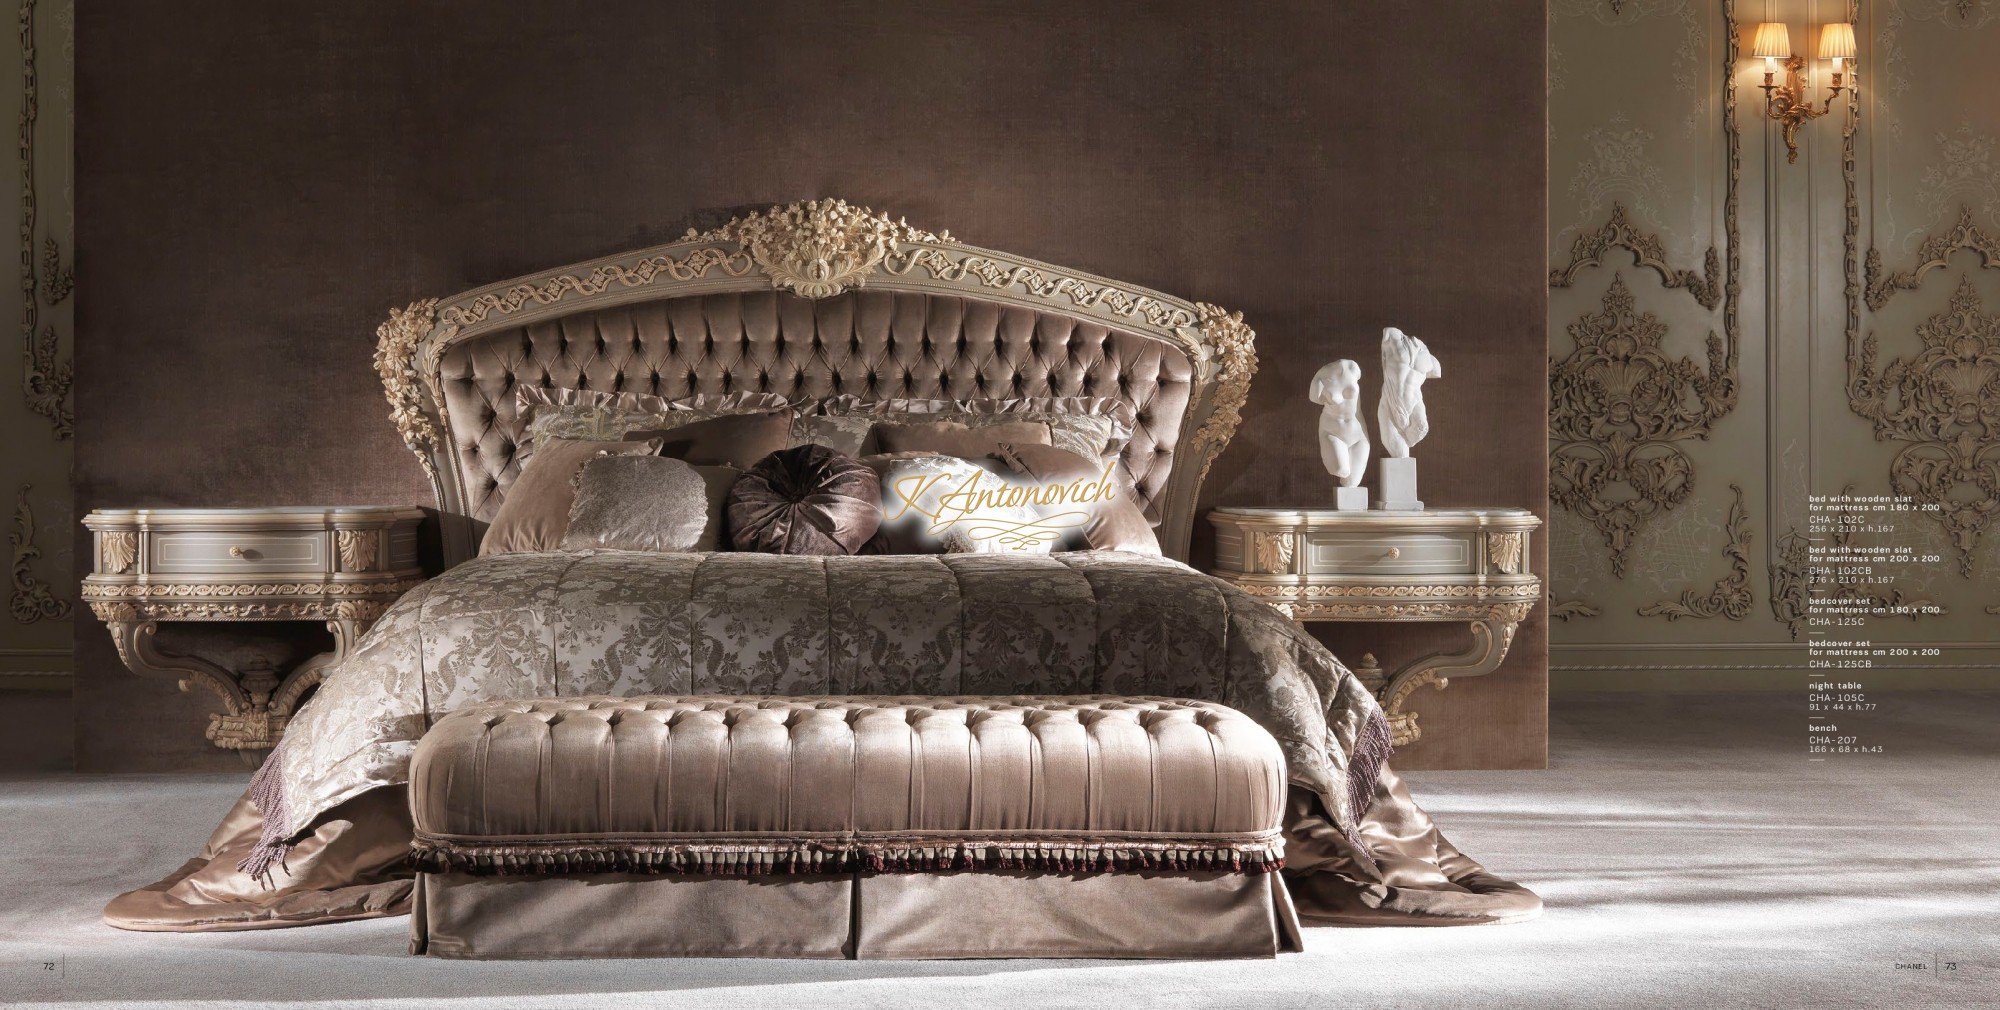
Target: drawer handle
{"points": [[1394, 553], [238, 552]]}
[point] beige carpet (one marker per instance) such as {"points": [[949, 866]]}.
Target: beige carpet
{"points": [[1690, 855]]}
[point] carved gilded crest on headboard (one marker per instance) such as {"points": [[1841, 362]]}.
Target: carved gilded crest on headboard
{"points": [[818, 249]]}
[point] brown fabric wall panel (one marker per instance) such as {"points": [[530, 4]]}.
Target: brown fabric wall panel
{"points": [[259, 185]]}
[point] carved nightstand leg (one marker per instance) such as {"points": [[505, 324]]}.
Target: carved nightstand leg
{"points": [[1491, 638], [257, 702]]}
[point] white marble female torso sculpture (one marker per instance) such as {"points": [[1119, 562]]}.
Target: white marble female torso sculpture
{"points": [[1399, 415], [1343, 437]]}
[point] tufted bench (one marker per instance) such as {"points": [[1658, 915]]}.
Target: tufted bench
{"points": [[849, 827]]}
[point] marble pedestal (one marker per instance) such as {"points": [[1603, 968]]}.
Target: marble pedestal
{"points": [[1350, 499], [1396, 489]]}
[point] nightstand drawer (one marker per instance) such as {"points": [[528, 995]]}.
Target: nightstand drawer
{"points": [[197, 552], [1393, 554]]}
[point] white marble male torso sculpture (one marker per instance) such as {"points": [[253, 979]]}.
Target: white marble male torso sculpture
{"points": [[1343, 437], [1399, 415]]}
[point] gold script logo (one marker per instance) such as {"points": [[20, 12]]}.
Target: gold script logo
{"points": [[1014, 515]]}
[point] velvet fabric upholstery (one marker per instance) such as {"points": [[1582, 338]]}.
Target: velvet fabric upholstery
{"points": [[537, 516], [874, 345], [746, 785], [808, 499], [738, 440]]}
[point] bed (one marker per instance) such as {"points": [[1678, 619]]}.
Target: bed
{"points": [[810, 302]]}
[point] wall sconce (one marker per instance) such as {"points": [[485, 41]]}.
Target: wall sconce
{"points": [[1789, 103]]}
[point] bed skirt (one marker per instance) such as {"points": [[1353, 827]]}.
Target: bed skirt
{"points": [[854, 915]]}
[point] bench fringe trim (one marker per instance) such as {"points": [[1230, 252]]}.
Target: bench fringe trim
{"points": [[733, 859]]}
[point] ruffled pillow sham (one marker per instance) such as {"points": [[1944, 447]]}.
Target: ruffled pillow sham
{"points": [[591, 415], [1091, 426]]}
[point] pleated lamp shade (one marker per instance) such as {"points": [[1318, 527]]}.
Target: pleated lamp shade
{"points": [[1773, 41], [1836, 41]]}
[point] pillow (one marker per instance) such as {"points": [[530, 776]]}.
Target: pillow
{"points": [[592, 415], [931, 505], [956, 438], [738, 440], [647, 503], [807, 499], [1115, 523], [1085, 425], [535, 512]]}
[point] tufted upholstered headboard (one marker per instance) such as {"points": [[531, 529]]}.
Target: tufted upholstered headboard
{"points": [[809, 301]]}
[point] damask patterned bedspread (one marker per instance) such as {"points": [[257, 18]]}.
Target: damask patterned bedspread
{"points": [[624, 623]]}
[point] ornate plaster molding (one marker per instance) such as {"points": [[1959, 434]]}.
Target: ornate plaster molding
{"points": [[1619, 232], [46, 375], [1569, 610], [1617, 407], [1940, 404], [1730, 596], [32, 599], [1935, 253]]}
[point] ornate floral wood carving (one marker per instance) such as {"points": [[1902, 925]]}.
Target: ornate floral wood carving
{"points": [[1943, 403], [117, 552], [1618, 405], [820, 247], [396, 362], [1618, 232], [358, 549], [1231, 346], [32, 599], [1730, 596], [1936, 251], [46, 376]]}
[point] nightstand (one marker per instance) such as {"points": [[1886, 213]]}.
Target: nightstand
{"points": [[339, 566], [1468, 565]]}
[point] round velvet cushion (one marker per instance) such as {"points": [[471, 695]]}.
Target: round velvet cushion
{"points": [[808, 499]]}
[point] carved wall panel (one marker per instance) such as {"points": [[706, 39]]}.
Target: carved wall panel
{"points": [[38, 416], [1882, 242]]}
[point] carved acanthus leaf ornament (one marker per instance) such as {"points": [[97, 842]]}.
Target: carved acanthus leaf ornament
{"points": [[1617, 406], [1937, 250], [1943, 403], [1730, 596]]}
